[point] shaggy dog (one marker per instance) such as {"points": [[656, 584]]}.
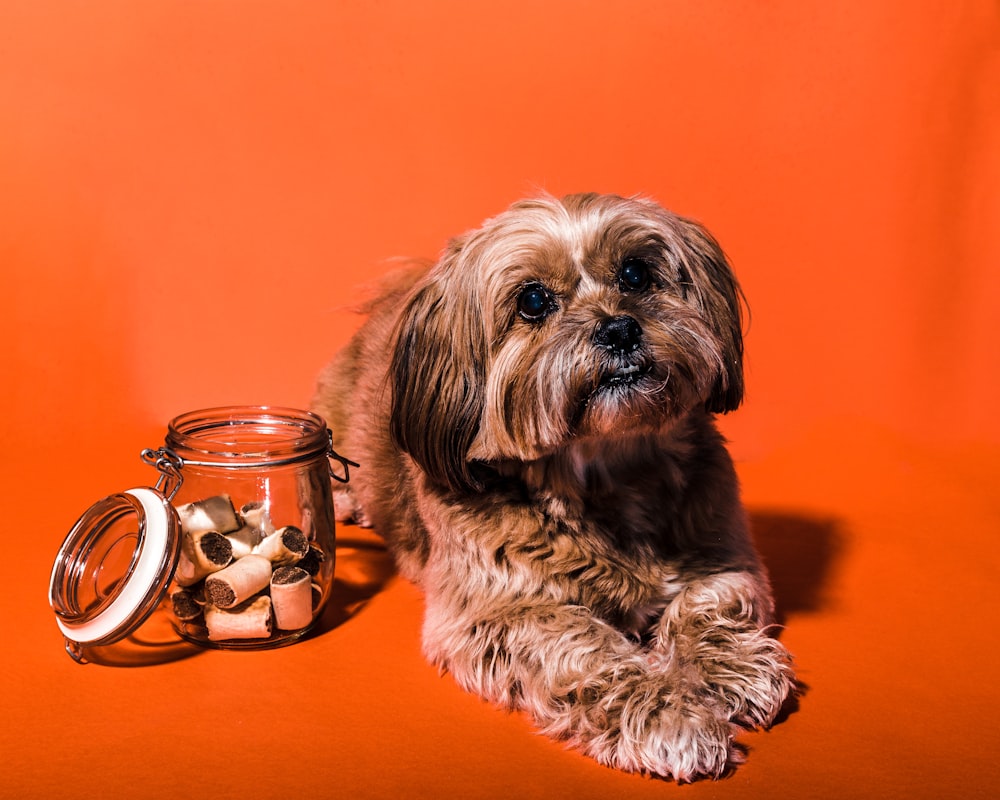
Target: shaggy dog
{"points": [[533, 415]]}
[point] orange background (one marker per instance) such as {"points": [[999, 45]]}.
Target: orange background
{"points": [[192, 193]]}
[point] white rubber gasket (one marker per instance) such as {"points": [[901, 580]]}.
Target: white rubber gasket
{"points": [[131, 594]]}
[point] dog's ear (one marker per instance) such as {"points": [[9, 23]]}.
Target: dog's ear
{"points": [[437, 374], [715, 288]]}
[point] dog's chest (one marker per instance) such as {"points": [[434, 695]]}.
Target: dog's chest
{"points": [[613, 562]]}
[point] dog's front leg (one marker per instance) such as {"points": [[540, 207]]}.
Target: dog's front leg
{"points": [[716, 630], [582, 681]]}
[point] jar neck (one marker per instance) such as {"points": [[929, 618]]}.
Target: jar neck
{"points": [[247, 436]]}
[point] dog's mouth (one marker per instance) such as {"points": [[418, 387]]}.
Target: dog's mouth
{"points": [[622, 395], [624, 376]]}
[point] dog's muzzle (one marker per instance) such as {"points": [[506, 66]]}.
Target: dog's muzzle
{"points": [[621, 335]]}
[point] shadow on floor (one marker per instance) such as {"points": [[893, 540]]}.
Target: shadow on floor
{"points": [[801, 552], [363, 568]]}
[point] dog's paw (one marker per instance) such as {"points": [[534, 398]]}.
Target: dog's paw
{"points": [[647, 723], [751, 682], [678, 738], [347, 510], [716, 634]]}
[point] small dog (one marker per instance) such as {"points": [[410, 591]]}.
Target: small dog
{"points": [[533, 415]]}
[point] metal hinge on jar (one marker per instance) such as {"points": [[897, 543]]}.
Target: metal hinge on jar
{"points": [[333, 455], [169, 465]]}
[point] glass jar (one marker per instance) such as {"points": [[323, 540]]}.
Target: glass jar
{"points": [[235, 544]]}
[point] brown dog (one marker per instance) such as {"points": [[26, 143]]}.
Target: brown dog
{"points": [[533, 418]]}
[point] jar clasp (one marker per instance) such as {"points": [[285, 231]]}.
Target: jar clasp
{"points": [[346, 463], [169, 465]]}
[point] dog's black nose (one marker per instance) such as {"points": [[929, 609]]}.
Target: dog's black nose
{"points": [[621, 334]]}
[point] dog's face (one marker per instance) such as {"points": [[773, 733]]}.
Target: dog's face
{"points": [[561, 320]]}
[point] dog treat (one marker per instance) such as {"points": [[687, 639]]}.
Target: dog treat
{"points": [[185, 605], [239, 575], [211, 514], [249, 621], [291, 597], [244, 541], [202, 553], [239, 581], [285, 546], [257, 517], [312, 560]]}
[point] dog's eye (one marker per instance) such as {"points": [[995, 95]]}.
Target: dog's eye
{"points": [[534, 302], [634, 275]]}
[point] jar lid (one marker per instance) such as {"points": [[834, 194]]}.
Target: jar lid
{"points": [[114, 566]]}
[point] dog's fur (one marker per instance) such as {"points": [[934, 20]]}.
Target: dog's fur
{"points": [[533, 418]]}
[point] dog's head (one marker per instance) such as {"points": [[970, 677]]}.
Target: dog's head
{"points": [[558, 320]]}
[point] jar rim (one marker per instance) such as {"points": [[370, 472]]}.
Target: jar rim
{"points": [[99, 598], [246, 435]]}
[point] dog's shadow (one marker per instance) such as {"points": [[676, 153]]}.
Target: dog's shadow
{"points": [[800, 552]]}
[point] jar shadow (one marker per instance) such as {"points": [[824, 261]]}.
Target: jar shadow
{"points": [[155, 642], [364, 566]]}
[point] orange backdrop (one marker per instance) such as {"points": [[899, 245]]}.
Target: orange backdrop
{"points": [[191, 195]]}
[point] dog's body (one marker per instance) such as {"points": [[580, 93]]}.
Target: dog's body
{"points": [[533, 419]]}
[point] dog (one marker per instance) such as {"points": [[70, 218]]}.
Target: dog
{"points": [[534, 419]]}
